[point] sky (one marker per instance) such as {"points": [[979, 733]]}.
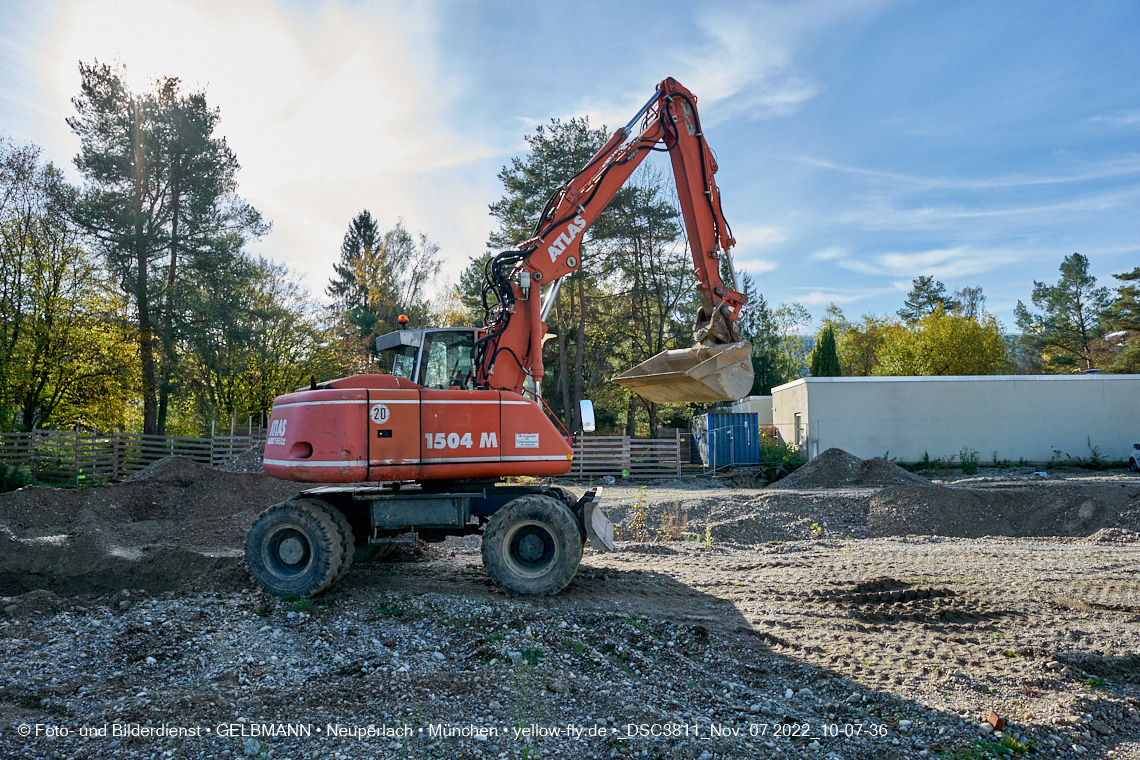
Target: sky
{"points": [[860, 144]]}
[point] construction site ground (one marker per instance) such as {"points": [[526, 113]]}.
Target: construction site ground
{"points": [[853, 610]]}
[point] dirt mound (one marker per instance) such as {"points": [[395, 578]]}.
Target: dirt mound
{"points": [[835, 468], [1031, 510], [174, 525], [248, 461]]}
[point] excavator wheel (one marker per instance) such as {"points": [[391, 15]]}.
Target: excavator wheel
{"points": [[532, 546], [347, 542], [294, 548]]}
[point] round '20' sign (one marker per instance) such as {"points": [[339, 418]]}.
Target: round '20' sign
{"points": [[379, 414]]}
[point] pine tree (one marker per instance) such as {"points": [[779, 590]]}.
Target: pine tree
{"points": [[924, 299], [1069, 327]]}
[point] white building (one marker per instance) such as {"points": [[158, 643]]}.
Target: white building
{"points": [[1012, 417]]}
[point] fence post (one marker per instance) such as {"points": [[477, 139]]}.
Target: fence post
{"points": [[677, 448], [115, 456]]}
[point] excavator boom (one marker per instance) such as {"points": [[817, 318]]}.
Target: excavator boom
{"points": [[718, 367]]}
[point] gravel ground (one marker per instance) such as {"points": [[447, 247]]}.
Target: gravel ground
{"points": [[761, 637]]}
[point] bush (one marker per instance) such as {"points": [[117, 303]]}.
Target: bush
{"points": [[969, 459], [13, 477]]}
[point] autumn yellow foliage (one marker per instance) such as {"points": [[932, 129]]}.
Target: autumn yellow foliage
{"points": [[944, 344]]}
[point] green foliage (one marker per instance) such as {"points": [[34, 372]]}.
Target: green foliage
{"points": [[558, 151], [1068, 330], [785, 454], [1123, 315], [926, 297], [824, 359], [793, 349], [1124, 312], [859, 344], [64, 340], [13, 477], [943, 344], [160, 206], [757, 326], [381, 276], [969, 460]]}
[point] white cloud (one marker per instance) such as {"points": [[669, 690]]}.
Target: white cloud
{"points": [[330, 110], [831, 253], [1119, 119], [942, 263], [1121, 167]]}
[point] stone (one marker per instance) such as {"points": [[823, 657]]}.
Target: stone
{"points": [[124, 605], [11, 609], [558, 686], [439, 655], [495, 705], [1101, 727], [985, 728]]}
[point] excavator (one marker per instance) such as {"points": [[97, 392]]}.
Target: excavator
{"points": [[423, 452]]}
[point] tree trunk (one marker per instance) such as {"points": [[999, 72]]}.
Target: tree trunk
{"points": [[580, 347], [631, 417], [652, 419], [168, 353], [142, 298]]}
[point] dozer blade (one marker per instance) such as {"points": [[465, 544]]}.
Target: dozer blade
{"points": [[697, 374]]}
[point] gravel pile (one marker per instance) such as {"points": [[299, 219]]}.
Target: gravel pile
{"points": [[835, 468], [249, 461]]}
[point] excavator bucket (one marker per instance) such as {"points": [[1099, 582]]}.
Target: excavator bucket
{"points": [[697, 374]]}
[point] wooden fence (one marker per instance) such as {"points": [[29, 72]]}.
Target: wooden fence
{"points": [[62, 456], [596, 456]]}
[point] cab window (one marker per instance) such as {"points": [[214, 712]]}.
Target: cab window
{"points": [[404, 363], [447, 359]]}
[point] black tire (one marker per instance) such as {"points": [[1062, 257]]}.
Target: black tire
{"points": [[532, 546], [294, 548], [347, 542], [1133, 466]]}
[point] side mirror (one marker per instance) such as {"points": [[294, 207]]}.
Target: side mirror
{"points": [[587, 416]]}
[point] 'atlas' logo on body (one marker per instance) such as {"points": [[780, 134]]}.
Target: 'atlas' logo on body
{"points": [[566, 238]]}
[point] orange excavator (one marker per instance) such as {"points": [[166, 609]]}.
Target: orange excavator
{"points": [[423, 451]]}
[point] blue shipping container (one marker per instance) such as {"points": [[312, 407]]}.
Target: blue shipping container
{"points": [[728, 439]]}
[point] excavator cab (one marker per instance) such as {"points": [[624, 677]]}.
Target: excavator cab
{"points": [[437, 359]]}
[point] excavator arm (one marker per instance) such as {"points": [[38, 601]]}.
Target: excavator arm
{"points": [[718, 367]]}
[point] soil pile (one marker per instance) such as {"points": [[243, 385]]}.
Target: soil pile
{"points": [[174, 525], [835, 468], [1029, 510]]}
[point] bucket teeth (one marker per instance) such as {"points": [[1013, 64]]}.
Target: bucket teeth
{"points": [[699, 374]]}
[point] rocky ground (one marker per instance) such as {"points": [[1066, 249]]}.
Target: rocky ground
{"points": [[852, 616]]}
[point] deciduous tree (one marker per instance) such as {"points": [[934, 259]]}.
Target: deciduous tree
{"points": [[944, 344]]}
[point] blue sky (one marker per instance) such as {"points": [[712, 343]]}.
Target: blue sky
{"points": [[861, 144]]}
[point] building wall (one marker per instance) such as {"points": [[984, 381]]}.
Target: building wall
{"points": [[758, 405], [1011, 416]]}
